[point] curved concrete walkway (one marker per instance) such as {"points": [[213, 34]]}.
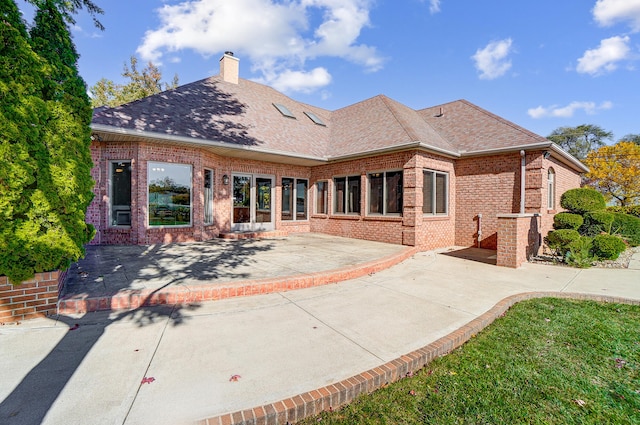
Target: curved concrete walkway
{"points": [[279, 353]]}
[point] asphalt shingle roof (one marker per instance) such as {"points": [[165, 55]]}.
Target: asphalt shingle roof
{"points": [[243, 115]]}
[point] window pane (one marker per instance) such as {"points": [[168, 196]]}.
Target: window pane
{"points": [[394, 192], [121, 194], [301, 199], [340, 188], [441, 193], [263, 201], [321, 197], [169, 194], [427, 192], [208, 197], [353, 192], [551, 189], [376, 193], [241, 199], [287, 199]]}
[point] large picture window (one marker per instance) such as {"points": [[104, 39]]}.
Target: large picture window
{"points": [[169, 194], [294, 199], [435, 193], [120, 190], [347, 195], [208, 196], [385, 193]]}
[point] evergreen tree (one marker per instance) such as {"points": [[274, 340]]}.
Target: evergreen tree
{"points": [[45, 181]]}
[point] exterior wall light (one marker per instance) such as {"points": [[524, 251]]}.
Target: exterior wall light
{"points": [[225, 180]]}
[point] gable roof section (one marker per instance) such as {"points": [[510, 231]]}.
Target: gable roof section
{"points": [[238, 116], [379, 124], [472, 129]]}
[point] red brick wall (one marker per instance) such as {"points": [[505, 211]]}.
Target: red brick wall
{"points": [[518, 239], [487, 185], [37, 297]]}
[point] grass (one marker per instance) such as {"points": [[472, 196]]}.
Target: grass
{"points": [[546, 361]]}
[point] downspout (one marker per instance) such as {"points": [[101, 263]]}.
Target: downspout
{"points": [[522, 176], [479, 229]]}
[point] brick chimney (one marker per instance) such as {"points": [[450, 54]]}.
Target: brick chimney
{"points": [[229, 68]]}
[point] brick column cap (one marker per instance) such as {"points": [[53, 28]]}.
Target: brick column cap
{"points": [[526, 215]]}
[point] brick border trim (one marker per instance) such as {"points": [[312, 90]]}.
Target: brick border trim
{"points": [[212, 292], [333, 396]]}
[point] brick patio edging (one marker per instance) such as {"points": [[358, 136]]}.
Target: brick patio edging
{"points": [[291, 410], [178, 295]]}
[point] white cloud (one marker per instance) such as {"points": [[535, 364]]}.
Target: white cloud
{"points": [[275, 36], [568, 111], [434, 6], [299, 81], [609, 12], [492, 61], [604, 58]]}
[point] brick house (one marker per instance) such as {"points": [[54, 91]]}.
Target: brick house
{"points": [[224, 155]]}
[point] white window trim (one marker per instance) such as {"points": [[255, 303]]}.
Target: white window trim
{"points": [[174, 226], [213, 193], [346, 194], [294, 197], [551, 189], [384, 193], [434, 195], [110, 186], [315, 197]]}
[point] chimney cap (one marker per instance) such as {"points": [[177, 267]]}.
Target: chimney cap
{"points": [[228, 53]]}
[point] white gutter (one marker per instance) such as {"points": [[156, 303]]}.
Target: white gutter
{"points": [[388, 149], [568, 158], [198, 142]]}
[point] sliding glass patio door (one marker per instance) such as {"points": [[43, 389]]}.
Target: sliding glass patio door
{"points": [[253, 197]]}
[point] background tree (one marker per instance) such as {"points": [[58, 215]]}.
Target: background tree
{"points": [[140, 84], [68, 8], [45, 180], [615, 172], [580, 140], [635, 138]]}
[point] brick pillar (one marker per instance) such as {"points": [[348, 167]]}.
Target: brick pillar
{"points": [[518, 239]]}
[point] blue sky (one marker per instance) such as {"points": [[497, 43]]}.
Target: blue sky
{"points": [[541, 64]]}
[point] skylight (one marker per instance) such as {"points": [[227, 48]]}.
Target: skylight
{"points": [[316, 119], [284, 110]]}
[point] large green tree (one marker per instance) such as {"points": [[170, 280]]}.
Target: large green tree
{"points": [[45, 180], [141, 83], [68, 8], [580, 140]]}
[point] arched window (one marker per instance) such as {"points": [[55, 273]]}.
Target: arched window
{"points": [[551, 189]]}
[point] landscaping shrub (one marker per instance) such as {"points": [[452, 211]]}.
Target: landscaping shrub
{"points": [[608, 247], [633, 210], [565, 220], [560, 240], [597, 222], [628, 227], [582, 200], [580, 253]]}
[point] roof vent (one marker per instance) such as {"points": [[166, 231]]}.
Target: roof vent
{"points": [[229, 68], [440, 112]]}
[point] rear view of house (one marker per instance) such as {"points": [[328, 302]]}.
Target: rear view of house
{"points": [[224, 155]]}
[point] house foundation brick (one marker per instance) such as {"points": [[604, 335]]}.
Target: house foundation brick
{"points": [[37, 297]]}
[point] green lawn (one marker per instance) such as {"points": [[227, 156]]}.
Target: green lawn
{"points": [[547, 361]]}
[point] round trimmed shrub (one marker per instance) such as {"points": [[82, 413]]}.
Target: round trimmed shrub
{"points": [[560, 240], [582, 200], [597, 222], [608, 247], [565, 220]]}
